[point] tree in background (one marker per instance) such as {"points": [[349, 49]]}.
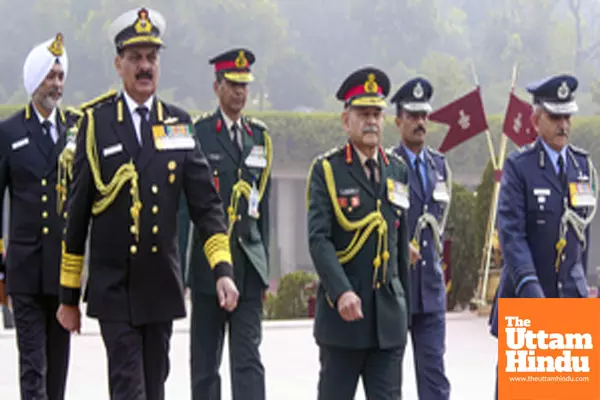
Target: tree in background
{"points": [[461, 220]]}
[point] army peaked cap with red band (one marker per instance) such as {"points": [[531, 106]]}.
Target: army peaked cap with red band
{"points": [[366, 87], [235, 65]]}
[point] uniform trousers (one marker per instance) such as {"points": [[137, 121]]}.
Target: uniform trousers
{"points": [[138, 359], [380, 370], [43, 345]]}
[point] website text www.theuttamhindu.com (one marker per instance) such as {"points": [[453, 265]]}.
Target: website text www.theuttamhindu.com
{"points": [[556, 379]]}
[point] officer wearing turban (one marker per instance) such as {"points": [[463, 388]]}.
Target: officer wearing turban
{"points": [[30, 143], [135, 157]]}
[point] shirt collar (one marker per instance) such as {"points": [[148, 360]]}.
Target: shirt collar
{"points": [[51, 117], [229, 122], [412, 156], [132, 105], [553, 154], [363, 158]]}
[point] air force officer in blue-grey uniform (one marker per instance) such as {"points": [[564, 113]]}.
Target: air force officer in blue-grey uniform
{"points": [[546, 201], [429, 201]]}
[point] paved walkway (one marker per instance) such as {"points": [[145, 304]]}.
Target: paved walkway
{"points": [[290, 357]]}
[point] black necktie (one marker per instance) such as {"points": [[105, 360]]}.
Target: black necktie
{"points": [[418, 163], [236, 142], [47, 141], [145, 130], [561, 172], [371, 165]]}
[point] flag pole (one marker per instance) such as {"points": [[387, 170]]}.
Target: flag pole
{"points": [[487, 131], [494, 205]]}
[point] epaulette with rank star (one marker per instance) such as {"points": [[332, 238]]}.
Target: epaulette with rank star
{"points": [[436, 153], [392, 154], [527, 147], [579, 150], [329, 153], [202, 116], [111, 95], [257, 122], [74, 111]]}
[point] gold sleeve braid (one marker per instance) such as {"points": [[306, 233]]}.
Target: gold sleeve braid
{"points": [[217, 249], [362, 228], [243, 188], [72, 264], [1, 246]]}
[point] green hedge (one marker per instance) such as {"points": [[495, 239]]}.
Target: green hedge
{"points": [[299, 137]]}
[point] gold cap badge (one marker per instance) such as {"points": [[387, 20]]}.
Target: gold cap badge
{"points": [[57, 47], [143, 24], [241, 61], [370, 84]]}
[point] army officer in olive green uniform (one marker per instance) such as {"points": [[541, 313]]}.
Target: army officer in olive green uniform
{"points": [[239, 151], [358, 238]]}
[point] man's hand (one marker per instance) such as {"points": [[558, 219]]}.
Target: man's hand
{"points": [[69, 318], [414, 254], [349, 306], [227, 293], [3, 295]]}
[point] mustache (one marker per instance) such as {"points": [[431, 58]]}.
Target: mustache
{"points": [[562, 132], [143, 74], [419, 128], [370, 129], [54, 92]]}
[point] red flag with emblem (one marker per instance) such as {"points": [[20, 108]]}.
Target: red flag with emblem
{"points": [[465, 116], [517, 122]]}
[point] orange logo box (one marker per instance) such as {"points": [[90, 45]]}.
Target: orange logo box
{"points": [[549, 349]]}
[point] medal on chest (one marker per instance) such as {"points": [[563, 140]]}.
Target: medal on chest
{"points": [[398, 193], [581, 194], [173, 137], [440, 191], [257, 157]]}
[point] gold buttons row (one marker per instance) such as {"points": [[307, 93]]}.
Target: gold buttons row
{"points": [[45, 229], [133, 249], [154, 189], [133, 229]]}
